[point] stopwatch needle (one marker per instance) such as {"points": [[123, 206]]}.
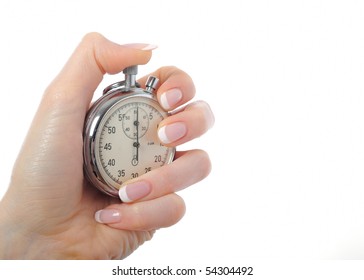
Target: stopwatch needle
{"points": [[136, 144]]}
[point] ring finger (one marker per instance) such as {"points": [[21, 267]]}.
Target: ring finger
{"points": [[189, 168]]}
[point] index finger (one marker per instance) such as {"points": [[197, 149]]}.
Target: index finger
{"points": [[176, 87]]}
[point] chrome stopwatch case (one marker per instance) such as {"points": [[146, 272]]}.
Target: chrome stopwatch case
{"points": [[120, 134]]}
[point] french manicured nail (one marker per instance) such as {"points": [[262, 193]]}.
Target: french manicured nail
{"points": [[141, 46], [134, 191], [170, 98], [172, 132], [107, 216]]}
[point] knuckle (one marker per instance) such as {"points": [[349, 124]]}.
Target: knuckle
{"points": [[92, 37], [203, 113], [204, 162], [176, 210], [139, 222], [168, 70]]}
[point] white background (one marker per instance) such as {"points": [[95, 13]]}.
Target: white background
{"points": [[285, 81]]}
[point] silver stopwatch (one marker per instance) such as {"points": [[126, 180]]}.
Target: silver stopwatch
{"points": [[120, 134]]}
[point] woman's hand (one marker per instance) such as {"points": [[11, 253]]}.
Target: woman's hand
{"points": [[51, 212]]}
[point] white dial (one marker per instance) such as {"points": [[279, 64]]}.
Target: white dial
{"points": [[126, 144], [120, 140]]}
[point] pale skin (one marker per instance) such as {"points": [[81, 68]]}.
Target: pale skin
{"points": [[48, 211]]}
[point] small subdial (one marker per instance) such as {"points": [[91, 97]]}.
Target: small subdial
{"points": [[135, 122]]}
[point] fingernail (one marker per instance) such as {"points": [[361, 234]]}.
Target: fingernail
{"points": [[107, 216], [134, 191], [141, 46], [172, 132], [170, 98]]}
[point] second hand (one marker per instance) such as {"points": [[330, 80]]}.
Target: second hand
{"points": [[136, 144]]}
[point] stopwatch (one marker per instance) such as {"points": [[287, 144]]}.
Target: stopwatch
{"points": [[120, 134]]}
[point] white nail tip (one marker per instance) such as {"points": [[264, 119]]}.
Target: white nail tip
{"points": [[149, 47], [163, 136], [97, 216], [141, 46], [123, 195], [164, 101]]}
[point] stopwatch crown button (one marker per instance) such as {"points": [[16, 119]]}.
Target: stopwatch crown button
{"points": [[130, 76], [151, 84], [131, 70]]}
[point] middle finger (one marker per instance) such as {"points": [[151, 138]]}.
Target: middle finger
{"points": [[189, 168], [189, 123]]}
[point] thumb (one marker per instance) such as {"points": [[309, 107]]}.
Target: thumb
{"points": [[52, 150], [94, 57]]}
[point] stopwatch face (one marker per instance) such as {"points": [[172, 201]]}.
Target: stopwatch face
{"points": [[126, 143]]}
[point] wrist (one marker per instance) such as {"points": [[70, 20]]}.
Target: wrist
{"points": [[11, 245], [21, 241], [17, 242]]}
